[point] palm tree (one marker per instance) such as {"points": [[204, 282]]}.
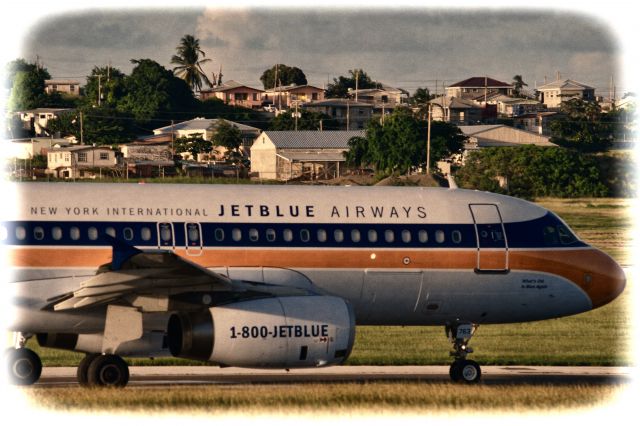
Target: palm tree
{"points": [[189, 63], [518, 84]]}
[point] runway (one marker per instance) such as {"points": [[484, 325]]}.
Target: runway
{"points": [[205, 375]]}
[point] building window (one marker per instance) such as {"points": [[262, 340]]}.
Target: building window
{"points": [[72, 88], [104, 155], [82, 157], [314, 96]]}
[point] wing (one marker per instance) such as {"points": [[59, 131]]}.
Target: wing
{"points": [[156, 281]]}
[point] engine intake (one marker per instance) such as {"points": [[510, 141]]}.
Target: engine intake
{"points": [[278, 332]]}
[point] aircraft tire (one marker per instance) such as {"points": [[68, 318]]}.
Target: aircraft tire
{"points": [[83, 369], [455, 370], [470, 371], [108, 371], [24, 365]]}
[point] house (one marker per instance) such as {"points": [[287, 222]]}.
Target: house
{"points": [[286, 155], [513, 107], [285, 97], [384, 98], [478, 87], [69, 87], [537, 122], [83, 161], [207, 128], [554, 93], [38, 119], [236, 94], [456, 110], [148, 148], [499, 135], [25, 149], [349, 114]]}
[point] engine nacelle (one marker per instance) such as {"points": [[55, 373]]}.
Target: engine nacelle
{"points": [[277, 332]]}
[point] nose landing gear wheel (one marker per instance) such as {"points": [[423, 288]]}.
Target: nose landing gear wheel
{"points": [[108, 371], [24, 366], [465, 371]]}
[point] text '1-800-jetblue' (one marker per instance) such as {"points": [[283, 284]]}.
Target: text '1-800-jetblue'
{"points": [[278, 276]]}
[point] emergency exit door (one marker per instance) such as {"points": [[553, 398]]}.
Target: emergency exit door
{"points": [[493, 250]]}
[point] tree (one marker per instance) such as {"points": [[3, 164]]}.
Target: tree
{"points": [[308, 120], [341, 85], [420, 100], [189, 63], [229, 136], [106, 83], [583, 127], [286, 76], [193, 144], [152, 92], [518, 84]]}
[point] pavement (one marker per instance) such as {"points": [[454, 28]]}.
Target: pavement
{"points": [[211, 375]]}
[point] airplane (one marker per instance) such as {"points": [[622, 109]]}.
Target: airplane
{"points": [[268, 276]]}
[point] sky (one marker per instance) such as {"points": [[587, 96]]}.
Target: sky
{"points": [[405, 46]]}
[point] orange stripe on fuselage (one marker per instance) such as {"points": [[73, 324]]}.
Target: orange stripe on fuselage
{"points": [[593, 271]]}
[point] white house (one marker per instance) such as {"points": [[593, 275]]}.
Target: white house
{"points": [[554, 93], [495, 135], [84, 161], [38, 119], [285, 155]]}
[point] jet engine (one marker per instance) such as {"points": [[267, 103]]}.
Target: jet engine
{"points": [[277, 332]]}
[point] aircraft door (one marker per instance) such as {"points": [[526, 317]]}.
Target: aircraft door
{"points": [[493, 251], [166, 236], [193, 238]]}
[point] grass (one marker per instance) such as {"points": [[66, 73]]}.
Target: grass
{"points": [[327, 398]]}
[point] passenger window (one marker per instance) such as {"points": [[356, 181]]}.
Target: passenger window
{"points": [[111, 232], [38, 233], [355, 235], [21, 233], [271, 235], [193, 233], [372, 235], [145, 233], [406, 236], [439, 236], [253, 235], [338, 235], [456, 237], [322, 235], [287, 235], [74, 233], [389, 236], [423, 236], [127, 233], [166, 234], [56, 233], [218, 234], [304, 235], [92, 233], [236, 234]]}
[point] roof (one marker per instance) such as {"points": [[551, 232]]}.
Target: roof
{"points": [[311, 156], [519, 138], [338, 102], [230, 85], [201, 123], [337, 139], [79, 148], [481, 82], [61, 81], [537, 114], [292, 87], [454, 103], [564, 84], [51, 110]]}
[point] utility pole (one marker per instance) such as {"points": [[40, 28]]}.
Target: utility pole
{"points": [[347, 114], [99, 88], [81, 130], [357, 78], [428, 139]]}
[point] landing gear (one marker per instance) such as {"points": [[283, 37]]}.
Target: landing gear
{"points": [[23, 365], [103, 370], [462, 370]]}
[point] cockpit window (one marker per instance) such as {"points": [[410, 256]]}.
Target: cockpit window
{"points": [[566, 237]]}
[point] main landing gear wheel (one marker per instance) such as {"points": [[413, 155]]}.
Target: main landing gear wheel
{"points": [[462, 370], [106, 371], [83, 369], [24, 366]]}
